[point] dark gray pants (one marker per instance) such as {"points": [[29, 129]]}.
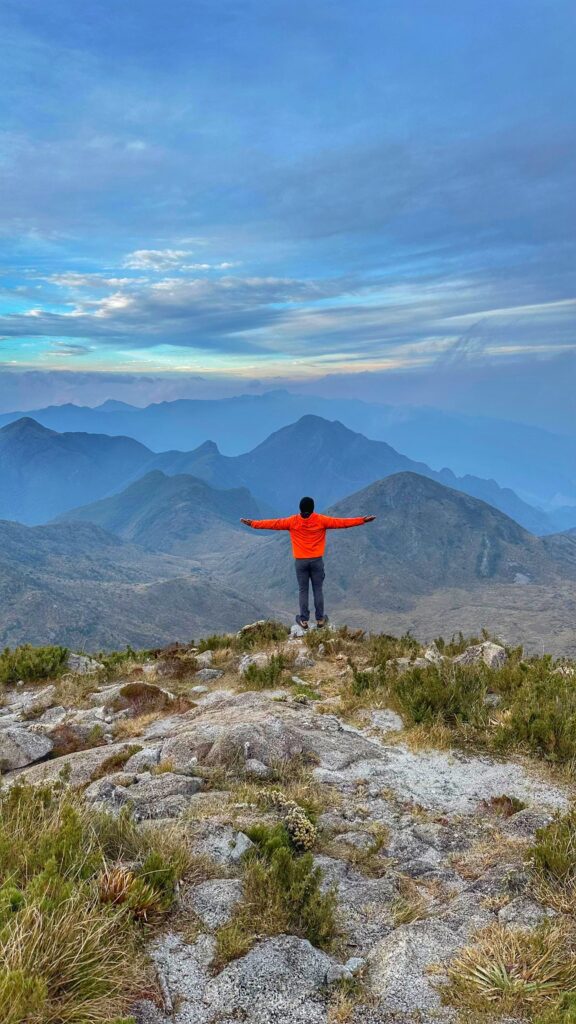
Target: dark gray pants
{"points": [[310, 570]]}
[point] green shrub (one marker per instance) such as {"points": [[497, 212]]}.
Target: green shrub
{"points": [[264, 677], [259, 635], [442, 693], [281, 894], [541, 712], [554, 851], [31, 663]]}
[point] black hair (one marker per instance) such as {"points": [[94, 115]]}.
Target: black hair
{"points": [[306, 507]]}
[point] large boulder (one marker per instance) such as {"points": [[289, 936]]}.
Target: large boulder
{"points": [[20, 747], [238, 727], [82, 665], [149, 796], [222, 844]]}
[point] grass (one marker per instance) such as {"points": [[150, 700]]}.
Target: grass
{"points": [[259, 635], [264, 677], [281, 894], [72, 910], [553, 862], [514, 972], [115, 763], [31, 664]]}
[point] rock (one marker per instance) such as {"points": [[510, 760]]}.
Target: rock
{"points": [[151, 796], [404, 664], [20, 747], [251, 627], [79, 766], [564, 670], [35, 701], [149, 757], [221, 843], [207, 675], [492, 700], [493, 655], [398, 966], [524, 824], [257, 769], [321, 650], [197, 691], [213, 901], [524, 913], [82, 665], [279, 980], [205, 659], [296, 632], [432, 654], [386, 721], [303, 660], [337, 972], [237, 727], [355, 965], [140, 695], [260, 660]]}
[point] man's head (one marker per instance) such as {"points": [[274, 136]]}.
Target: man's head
{"points": [[306, 507]]}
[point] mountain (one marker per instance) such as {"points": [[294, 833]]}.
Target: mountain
{"points": [[75, 584], [329, 461], [179, 514], [49, 473], [44, 472], [539, 465], [433, 554]]}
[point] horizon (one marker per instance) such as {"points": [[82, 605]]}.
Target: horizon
{"points": [[265, 195]]}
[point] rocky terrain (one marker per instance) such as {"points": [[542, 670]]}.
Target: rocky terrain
{"points": [[401, 781]]}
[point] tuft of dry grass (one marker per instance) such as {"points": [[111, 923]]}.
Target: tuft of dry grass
{"points": [[513, 971], [487, 853], [127, 728]]}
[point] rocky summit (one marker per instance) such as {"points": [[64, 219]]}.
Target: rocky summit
{"points": [[322, 828]]}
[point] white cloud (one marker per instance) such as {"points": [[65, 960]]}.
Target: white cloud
{"points": [[155, 259]]}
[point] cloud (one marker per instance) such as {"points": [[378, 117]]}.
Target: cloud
{"points": [[155, 259]]}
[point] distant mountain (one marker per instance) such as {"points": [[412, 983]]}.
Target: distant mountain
{"points": [[540, 466], [47, 473], [179, 514], [44, 472], [75, 584], [329, 461]]}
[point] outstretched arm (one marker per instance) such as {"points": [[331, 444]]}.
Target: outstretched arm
{"points": [[333, 523], [268, 524]]}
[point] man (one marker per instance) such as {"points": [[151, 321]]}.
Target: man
{"points": [[308, 536]]}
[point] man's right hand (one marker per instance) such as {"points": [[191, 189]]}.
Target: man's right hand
{"points": [[247, 522], [369, 519]]}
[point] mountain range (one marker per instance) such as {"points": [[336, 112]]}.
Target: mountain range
{"points": [[46, 473], [539, 465]]}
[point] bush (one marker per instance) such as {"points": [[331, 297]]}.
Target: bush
{"points": [[70, 952], [442, 693], [264, 677], [281, 894], [541, 712], [31, 663]]}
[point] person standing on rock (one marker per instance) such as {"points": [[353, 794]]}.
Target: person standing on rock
{"points": [[308, 536]]}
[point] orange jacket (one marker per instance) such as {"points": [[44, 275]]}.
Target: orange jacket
{"points": [[308, 536]]}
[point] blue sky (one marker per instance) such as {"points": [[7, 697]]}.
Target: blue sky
{"points": [[261, 191]]}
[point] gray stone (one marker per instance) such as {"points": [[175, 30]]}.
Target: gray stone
{"points": [[221, 843], [149, 757], [432, 654], [493, 655], [150, 796], [82, 665], [260, 660], [198, 691], [279, 980], [20, 747], [355, 965], [524, 913], [256, 769], [525, 824], [205, 659], [296, 631], [207, 675], [213, 901], [398, 966], [404, 664], [338, 972], [386, 721], [78, 766], [303, 660]]}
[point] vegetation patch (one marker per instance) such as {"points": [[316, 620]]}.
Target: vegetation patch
{"points": [[553, 859], [71, 910], [264, 677], [281, 894], [31, 664], [516, 972]]}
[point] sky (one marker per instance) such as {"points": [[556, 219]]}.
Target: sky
{"points": [[215, 196]]}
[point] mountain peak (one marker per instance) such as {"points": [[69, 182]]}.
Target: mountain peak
{"points": [[26, 427]]}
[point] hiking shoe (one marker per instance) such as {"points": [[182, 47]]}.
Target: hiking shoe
{"points": [[302, 622], [320, 623]]}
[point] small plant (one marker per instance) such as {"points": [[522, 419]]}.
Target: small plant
{"points": [[282, 893], [516, 971], [440, 693], [31, 664], [553, 858], [301, 830], [115, 762], [264, 677]]}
